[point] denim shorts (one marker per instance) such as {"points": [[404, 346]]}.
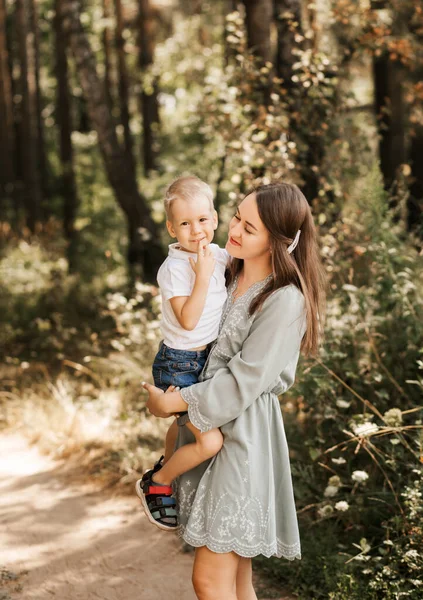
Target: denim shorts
{"points": [[177, 367]]}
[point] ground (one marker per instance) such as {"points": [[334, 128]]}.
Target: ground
{"points": [[61, 537]]}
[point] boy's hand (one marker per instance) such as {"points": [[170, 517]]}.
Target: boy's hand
{"points": [[155, 402], [205, 264]]}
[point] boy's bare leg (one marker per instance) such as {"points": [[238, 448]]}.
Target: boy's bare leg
{"points": [[172, 434], [189, 456]]}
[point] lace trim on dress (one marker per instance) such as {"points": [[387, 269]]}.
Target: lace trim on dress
{"points": [[276, 548], [196, 418]]}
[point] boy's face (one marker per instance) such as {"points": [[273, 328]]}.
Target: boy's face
{"points": [[190, 222]]}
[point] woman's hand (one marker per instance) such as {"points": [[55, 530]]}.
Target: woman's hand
{"points": [[156, 403]]}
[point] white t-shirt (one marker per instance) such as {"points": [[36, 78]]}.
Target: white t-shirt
{"points": [[176, 278]]}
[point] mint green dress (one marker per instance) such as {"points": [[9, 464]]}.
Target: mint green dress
{"points": [[242, 500]]}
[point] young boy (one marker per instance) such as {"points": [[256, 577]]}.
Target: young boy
{"points": [[192, 284]]}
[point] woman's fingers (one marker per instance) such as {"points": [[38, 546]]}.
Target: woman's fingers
{"points": [[172, 388], [150, 387]]}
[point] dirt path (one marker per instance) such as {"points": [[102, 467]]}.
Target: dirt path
{"points": [[61, 539], [75, 542]]}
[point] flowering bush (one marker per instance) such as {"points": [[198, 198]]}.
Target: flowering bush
{"points": [[361, 414]]}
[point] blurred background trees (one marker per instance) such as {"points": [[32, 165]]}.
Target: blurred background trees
{"points": [[95, 70], [102, 104]]}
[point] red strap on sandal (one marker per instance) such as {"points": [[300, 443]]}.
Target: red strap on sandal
{"points": [[162, 490]]}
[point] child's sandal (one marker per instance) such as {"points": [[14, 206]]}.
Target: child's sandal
{"points": [[157, 501], [157, 466]]}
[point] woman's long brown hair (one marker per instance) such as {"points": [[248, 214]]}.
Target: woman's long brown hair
{"points": [[284, 210]]}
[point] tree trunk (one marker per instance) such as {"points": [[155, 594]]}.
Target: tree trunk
{"points": [[390, 113], [389, 105], [38, 124], [258, 19], [144, 246], [123, 87], [107, 48], [149, 104], [28, 127], [288, 22], [64, 118], [415, 200], [7, 129], [229, 6]]}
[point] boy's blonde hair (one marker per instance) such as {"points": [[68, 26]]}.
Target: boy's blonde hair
{"points": [[187, 188]]}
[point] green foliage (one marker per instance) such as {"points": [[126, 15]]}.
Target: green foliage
{"points": [[357, 464], [257, 128], [394, 568]]}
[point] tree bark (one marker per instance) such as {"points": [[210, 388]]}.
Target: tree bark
{"points": [[64, 118], [38, 104], [258, 19], [149, 104], [415, 200], [389, 105], [288, 23], [229, 6], [28, 129], [107, 48], [144, 247], [7, 129], [123, 87], [390, 114]]}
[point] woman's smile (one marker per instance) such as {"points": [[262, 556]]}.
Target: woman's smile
{"points": [[234, 242]]}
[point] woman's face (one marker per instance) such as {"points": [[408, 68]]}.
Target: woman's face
{"points": [[248, 237]]}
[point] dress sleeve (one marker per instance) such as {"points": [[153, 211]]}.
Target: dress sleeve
{"points": [[271, 347], [175, 278]]}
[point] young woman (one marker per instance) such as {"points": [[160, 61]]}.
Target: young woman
{"points": [[240, 503]]}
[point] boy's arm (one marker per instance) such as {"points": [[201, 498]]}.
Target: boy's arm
{"points": [[188, 309]]}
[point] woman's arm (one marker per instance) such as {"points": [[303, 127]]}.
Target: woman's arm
{"points": [[271, 348]]}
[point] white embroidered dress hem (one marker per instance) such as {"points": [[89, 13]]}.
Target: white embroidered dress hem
{"points": [[242, 500]]}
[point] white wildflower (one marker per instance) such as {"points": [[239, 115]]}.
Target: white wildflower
{"points": [[365, 428], [342, 506], [339, 461], [325, 511], [364, 545], [359, 476], [335, 481], [342, 403], [393, 417], [330, 491]]}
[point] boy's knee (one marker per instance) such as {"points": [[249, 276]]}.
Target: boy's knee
{"points": [[211, 442]]}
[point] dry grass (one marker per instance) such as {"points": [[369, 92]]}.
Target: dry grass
{"points": [[98, 424]]}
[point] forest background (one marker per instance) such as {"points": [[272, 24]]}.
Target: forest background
{"points": [[102, 104]]}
